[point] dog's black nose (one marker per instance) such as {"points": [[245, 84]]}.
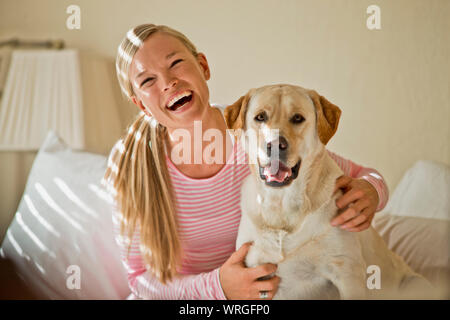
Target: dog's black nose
{"points": [[282, 146]]}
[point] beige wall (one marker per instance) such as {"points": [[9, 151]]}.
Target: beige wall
{"points": [[392, 84]]}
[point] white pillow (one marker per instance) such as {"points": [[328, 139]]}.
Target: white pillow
{"points": [[423, 243], [423, 192], [64, 219]]}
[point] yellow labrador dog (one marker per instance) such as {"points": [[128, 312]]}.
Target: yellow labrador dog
{"points": [[288, 202]]}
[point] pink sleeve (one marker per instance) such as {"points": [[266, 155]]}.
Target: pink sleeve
{"points": [[359, 172], [144, 285]]}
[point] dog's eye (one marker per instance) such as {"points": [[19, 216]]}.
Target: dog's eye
{"points": [[261, 117], [297, 118]]}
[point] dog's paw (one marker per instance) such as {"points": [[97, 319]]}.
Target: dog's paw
{"points": [[253, 257], [256, 256]]}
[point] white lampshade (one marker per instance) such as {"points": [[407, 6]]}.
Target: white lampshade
{"points": [[42, 92]]}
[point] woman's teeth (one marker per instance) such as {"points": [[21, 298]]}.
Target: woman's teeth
{"points": [[178, 99]]}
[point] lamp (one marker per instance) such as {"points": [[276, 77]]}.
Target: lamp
{"points": [[42, 92]]}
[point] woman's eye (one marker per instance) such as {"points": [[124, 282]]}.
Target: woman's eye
{"points": [[297, 118], [175, 62], [261, 117], [146, 80]]}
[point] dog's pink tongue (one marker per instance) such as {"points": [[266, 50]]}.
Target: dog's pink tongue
{"points": [[281, 173]]}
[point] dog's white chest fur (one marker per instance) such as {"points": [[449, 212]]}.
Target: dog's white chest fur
{"points": [[282, 235]]}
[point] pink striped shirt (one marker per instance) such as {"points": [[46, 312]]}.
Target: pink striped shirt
{"points": [[208, 213]]}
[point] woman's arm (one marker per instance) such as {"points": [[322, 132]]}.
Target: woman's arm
{"points": [[365, 192], [143, 284]]}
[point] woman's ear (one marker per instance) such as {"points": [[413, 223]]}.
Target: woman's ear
{"points": [[140, 105], [136, 102], [201, 58], [328, 116]]}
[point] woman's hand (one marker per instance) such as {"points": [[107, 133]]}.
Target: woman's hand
{"points": [[360, 199], [239, 282]]}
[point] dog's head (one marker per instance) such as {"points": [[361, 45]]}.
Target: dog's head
{"points": [[282, 124]]}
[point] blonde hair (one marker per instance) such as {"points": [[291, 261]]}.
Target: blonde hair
{"points": [[138, 171]]}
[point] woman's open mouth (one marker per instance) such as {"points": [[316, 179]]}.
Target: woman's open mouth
{"points": [[180, 102], [277, 174]]}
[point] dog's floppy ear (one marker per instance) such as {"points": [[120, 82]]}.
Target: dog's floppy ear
{"points": [[328, 116], [235, 114]]}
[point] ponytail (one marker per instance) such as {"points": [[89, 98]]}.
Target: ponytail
{"points": [[144, 197]]}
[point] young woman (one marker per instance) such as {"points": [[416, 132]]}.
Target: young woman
{"points": [[178, 222]]}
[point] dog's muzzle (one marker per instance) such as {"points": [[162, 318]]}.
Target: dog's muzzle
{"points": [[277, 174]]}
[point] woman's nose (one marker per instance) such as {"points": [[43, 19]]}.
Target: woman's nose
{"points": [[170, 82]]}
